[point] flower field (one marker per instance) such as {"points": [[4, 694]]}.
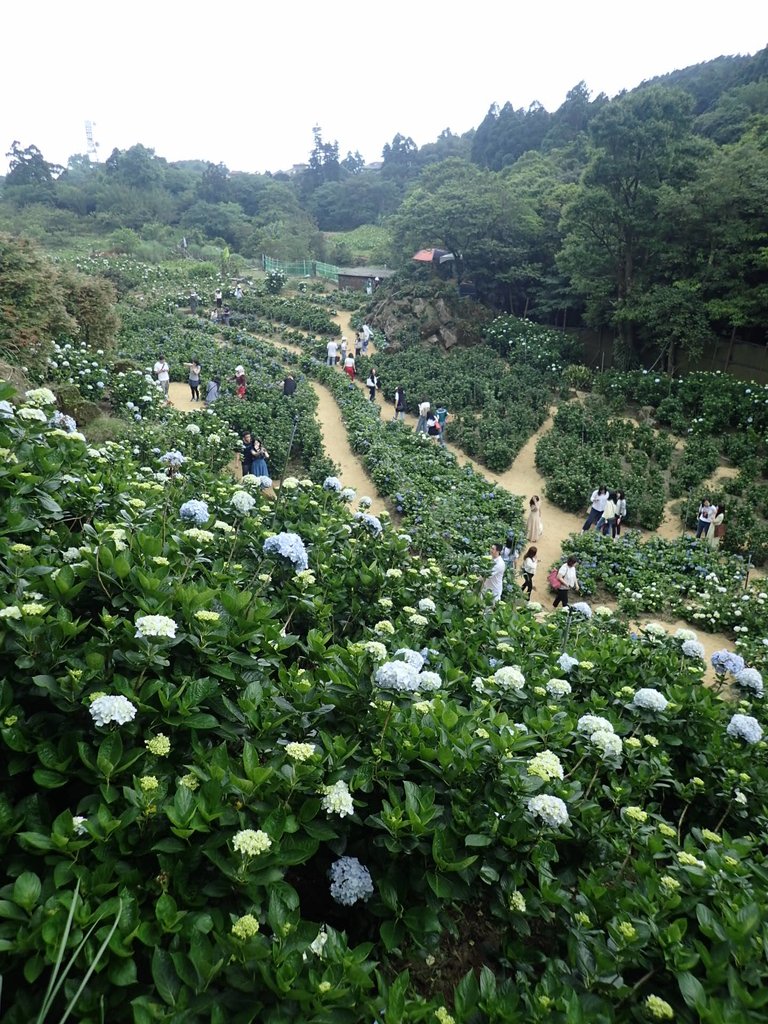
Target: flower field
{"points": [[276, 759], [262, 762]]}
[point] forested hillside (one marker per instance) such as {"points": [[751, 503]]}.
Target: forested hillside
{"points": [[643, 216]]}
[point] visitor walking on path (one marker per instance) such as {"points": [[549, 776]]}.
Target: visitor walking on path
{"points": [[595, 512], [349, 366], [421, 423], [530, 564], [372, 383], [240, 381], [399, 403], [534, 527], [358, 345], [433, 426], [621, 512], [343, 351], [219, 298], [162, 371], [566, 576], [331, 349], [495, 581], [194, 379], [367, 338], [442, 419]]}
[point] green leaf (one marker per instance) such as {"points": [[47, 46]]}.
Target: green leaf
{"points": [[164, 977], [477, 840], [48, 779], [27, 889], [110, 752], [396, 998], [692, 990]]}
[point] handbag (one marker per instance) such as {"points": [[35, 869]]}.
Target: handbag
{"points": [[554, 580]]}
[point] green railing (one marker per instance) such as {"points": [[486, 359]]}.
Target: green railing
{"points": [[301, 268]]}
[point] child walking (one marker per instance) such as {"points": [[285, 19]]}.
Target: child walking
{"points": [[530, 564]]}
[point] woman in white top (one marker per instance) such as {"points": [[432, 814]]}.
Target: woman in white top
{"points": [[621, 512], [607, 522], [707, 513], [530, 564], [717, 530], [567, 576], [421, 423]]}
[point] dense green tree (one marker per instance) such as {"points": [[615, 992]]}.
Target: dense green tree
{"points": [[30, 177], [91, 302], [400, 160], [642, 146], [213, 186], [33, 312]]}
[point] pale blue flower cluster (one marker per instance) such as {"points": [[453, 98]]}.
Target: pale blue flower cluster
{"points": [[429, 681], [63, 422], [263, 481], [6, 410], [350, 881], [289, 546], [650, 700], [582, 608], [566, 662], [173, 458], [745, 727], [551, 809], [373, 523], [348, 494], [397, 675], [693, 649], [194, 511], [365, 502], [332, 483], [727, 661], [751, 679]]}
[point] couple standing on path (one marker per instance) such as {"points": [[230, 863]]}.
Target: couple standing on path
{"points": [[606, 513], [431, 423], [709, 523]]}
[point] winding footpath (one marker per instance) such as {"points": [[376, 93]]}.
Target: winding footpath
{"points": [[522, 478]]}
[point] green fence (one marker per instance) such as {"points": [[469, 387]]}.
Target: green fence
{"points": [[301, 268]]}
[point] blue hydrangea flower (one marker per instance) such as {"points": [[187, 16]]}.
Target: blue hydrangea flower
{"points": [[566, 662], [693, 649], [194, 511], [289, 546], [582, 608], [373, 523], [173, 458], [751, 679], [727, 661], [745, 727], [397, 675], [350, 881], [332, 483]]}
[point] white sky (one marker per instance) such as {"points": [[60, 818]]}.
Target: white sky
{"points": [[244, 81]]}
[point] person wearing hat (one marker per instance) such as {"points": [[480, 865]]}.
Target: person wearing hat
{"points": [[240, 381]]}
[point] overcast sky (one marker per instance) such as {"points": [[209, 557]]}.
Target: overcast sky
{"points": [[244, 82]]}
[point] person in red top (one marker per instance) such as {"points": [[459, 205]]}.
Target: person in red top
{"points": [[240, 381]]}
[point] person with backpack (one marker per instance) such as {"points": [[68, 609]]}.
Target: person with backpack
{"points": [[442, 419], [372, 383]]}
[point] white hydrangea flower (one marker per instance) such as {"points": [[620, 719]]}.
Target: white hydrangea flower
{"points": [[115, 708], [551, 809], [649, 699], [592, 723], [242, 502], [608, 743], [558, 688], [509, 677], [337, 799], [155, 625]]}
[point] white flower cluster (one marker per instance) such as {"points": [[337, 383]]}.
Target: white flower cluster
{"points": [[601, 735], [751, 679], [350, 881], [348, 494], [155, 625], [509, 677], [41, 396], [426, 604], [429, 681], [582, 608], [337, 799], [107, 709], [558, 688], [551, 809], [251, 842], [546, 765], [693, 649], [411, 657], [332, 483], [649, 699], [242, 502], [300, 751], [397, 675]]}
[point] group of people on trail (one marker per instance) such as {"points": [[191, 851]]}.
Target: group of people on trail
{"points": [[430, 422], [607, 511], [255, 457], [562, 580], [221, 313], [710, 523], [162, 372]]}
